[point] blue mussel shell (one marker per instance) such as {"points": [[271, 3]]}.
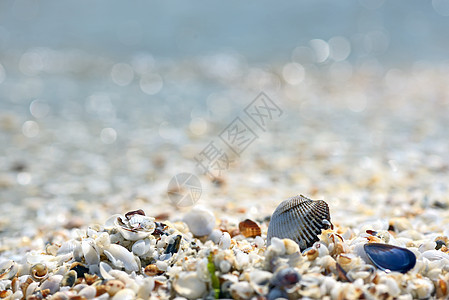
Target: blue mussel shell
{"points": [[390, 258]]}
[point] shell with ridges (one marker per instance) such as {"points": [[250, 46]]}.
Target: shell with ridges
{"points": [[299, 219]]}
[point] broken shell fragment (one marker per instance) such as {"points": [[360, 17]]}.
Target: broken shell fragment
{"points": [[8, 269], [69, 279], [121, 257], [249, 228], [390, 258], [299, 219]]}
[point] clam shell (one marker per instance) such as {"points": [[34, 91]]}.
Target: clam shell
{"points": [[121, 257], [69, 279], [390, 258], [249, 228], [90, 251], [8, 269], [299, 219]]}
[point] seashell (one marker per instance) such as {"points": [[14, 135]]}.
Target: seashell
{"points": [[201, 221], [5, 294], [152, 270], [188, 285], [39, 271], [79, 268], [390, 258], [249, 228], [435, 255], [90, 251], [125, 294], [260, 281], [140, 247], [88, 292], [290, 246], [104, 271], [225, 241], [52, 283], [31, 288], [172, 248], [121, 257], [145, 289], [241, 290], [114, 286], [129, 214], [364, 272], [8, 269], [135, 228], [69, 278], [299, 219], [71, 246], [103, 240]]}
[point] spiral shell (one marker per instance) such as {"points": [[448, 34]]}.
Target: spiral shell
{"points": [[299, 219]]}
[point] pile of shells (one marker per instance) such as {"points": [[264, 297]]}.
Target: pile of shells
{"points": [[135, 256]]}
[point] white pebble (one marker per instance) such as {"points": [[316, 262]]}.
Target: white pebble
{"points": [[162, 265], [259, 242], [225, 266], [201, 221], [215, 236], [225, 241], [278, 246]]}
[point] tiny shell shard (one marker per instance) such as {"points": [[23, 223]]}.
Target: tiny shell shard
{"points": [[249, 228], [299, 219]]}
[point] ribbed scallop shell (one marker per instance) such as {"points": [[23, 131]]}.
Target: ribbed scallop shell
{"points": [[299, 219]]}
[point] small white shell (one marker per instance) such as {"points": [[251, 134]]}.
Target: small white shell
{"points": [[69, 247], [89, 292], [225, 241], [90, 251], [146, 287], [125, 294], [435, 255], [299, 219], [31, 288], [189, 285], [52, 283], [104, 271], [241, 290], [260, 281], [141, 247], [121, 257]]}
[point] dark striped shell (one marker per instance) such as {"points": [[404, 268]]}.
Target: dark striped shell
{"points": [[299, 219]]}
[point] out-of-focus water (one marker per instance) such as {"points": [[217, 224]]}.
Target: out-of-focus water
{"points": [[262, 31]]}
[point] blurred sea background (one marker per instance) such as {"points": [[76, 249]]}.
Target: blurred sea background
{"points": [[102, 102]]}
